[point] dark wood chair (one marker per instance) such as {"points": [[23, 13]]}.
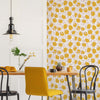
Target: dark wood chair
{"points": [[6, 92], [92, 85]]}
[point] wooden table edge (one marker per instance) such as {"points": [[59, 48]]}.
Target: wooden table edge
{"points": [[48, 73]]}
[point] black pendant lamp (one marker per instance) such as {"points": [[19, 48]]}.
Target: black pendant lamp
{"points": [[11, 27]]}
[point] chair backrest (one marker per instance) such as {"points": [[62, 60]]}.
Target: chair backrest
{"points": [[2, 71], [94, 76], [36, 81]]}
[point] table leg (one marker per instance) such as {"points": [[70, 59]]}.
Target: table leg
{"points": [[73, 86], [70, 98]]}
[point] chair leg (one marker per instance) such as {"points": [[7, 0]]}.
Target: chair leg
{"points": [[80, 96], [48, 97], [18, 96], [41, 97], [60, 97], [1, 97], [85, 96], [7, 97], [70, 96], [94, 97], [29, 97]]}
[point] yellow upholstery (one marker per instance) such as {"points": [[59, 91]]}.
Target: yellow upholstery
{"points": [[52, 92], [36, 82]]}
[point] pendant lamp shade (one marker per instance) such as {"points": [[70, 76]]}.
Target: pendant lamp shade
{"points": [[11, 28]]}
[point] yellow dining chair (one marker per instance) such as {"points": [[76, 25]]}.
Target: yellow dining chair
{"points": [[36, 83]]}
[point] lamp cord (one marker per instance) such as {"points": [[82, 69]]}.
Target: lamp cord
{"points": [[10, 8]]}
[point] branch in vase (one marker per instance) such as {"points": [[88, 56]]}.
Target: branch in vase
{"points": [[26, 60]]}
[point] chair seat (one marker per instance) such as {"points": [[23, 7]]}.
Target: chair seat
{"points": [[82, 91], [52, 92], [4, 93]]}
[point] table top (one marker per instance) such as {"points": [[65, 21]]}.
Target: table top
{"points": [[48, 73]]}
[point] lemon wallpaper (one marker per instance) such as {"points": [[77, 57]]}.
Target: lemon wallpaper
{"points": [[73, 39]]}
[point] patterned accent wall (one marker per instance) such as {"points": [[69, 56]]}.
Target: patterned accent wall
{"points": [[73, 39]]}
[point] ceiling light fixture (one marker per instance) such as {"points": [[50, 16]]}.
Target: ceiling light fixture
{"points": [[11, 27]]}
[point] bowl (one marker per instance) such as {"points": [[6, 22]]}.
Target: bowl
{"points": [[52, 70]]}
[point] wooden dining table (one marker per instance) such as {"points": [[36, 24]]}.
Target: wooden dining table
{"points": [[65, 73]]}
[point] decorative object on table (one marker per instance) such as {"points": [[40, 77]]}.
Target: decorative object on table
{"points": [[63, 68], [59, 67], [52, 70], [9, 68], [69, 69], [16, 52], [30, 55], [11, 27]]}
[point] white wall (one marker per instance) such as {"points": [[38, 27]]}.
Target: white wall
{"points": [[28, 18], [30, 22]]}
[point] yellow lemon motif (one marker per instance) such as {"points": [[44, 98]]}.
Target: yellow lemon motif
{"points": [[93, 44], [77, 67], [60, 21], [65, 49], [90, 8], [69, 60], [69, 13], [98, 14], [70, 44], [66, 55], [54, 20], [93, 60], [80, 9], [73, 8], [88, 2], [65, 97], [66, 31], [57, 10], [78, 20], [70, 4], [88, 26], [63, 16], [88, 49], [63, 40], [80, 33], [65, 2], [92, 13], [70, 27], [90, 55], [94, 3], [78, 43], [66, 8], [69, 37], [75, 1], [70, 20], [62, 10], [51, 1], [65, 26], [92, 37], [93, 20], [73, 32]]}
